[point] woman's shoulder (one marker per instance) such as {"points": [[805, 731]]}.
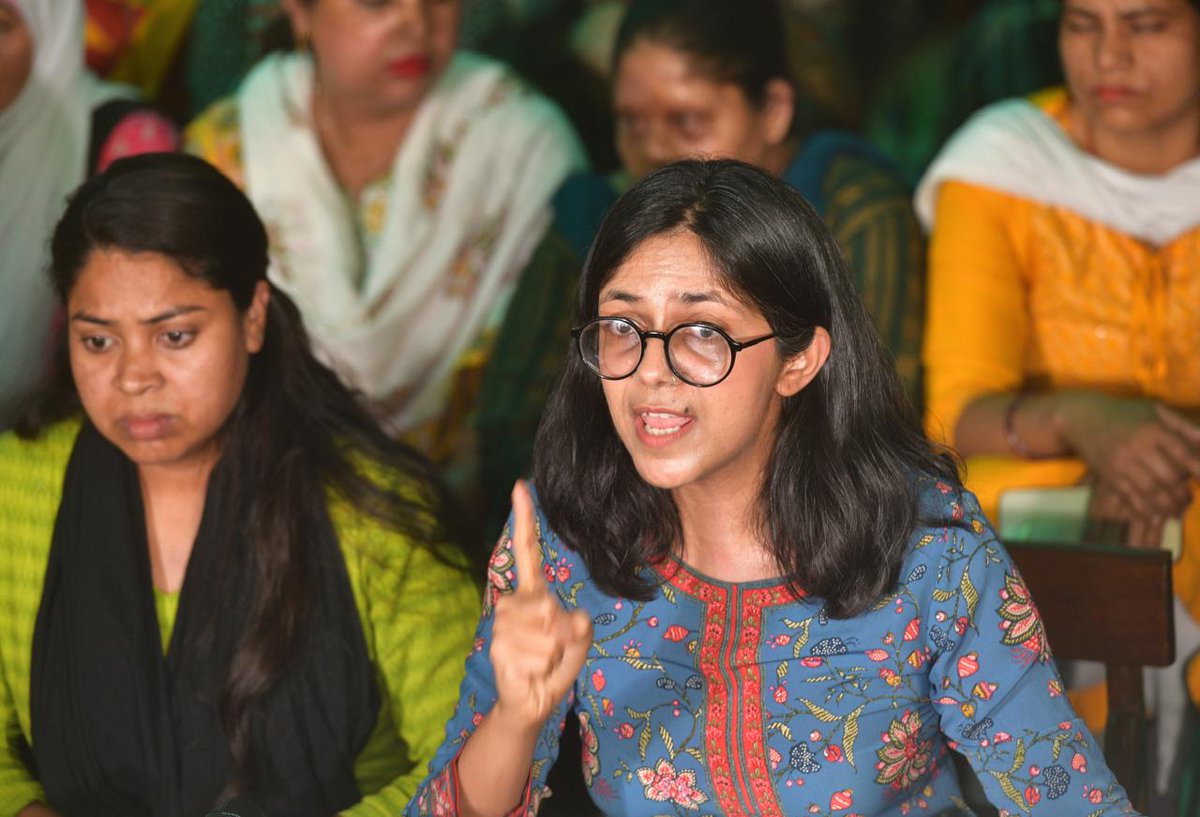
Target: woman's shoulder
{"points": [[950, 521], [835, 164], [582, 201], [496, 97], [374, 543], [31, 476], [942, 503], [48, 451], [1013, 146]]}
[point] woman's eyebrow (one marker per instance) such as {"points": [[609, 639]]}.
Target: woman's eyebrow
{"points": [[707, 296], [700, 297], [85, 317], [621, 295], [173, 313]]}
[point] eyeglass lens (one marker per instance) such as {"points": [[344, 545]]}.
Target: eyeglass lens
{"points": [[613, 349]]}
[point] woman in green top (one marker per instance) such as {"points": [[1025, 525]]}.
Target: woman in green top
{"points": [[218, 578]]}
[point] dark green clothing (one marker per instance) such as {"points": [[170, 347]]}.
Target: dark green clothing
{"points": [[1009, 48]]}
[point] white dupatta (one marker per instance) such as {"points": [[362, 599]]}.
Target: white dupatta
{"points": [[470, 199], [44, 137], [1015, 148]]}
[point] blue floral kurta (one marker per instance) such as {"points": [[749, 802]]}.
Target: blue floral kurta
{"points": [[717, 698]]}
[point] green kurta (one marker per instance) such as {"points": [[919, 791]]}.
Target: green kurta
{"points": [[417, 613]]}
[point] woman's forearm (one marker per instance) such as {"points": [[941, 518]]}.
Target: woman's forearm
{"points": [[1030, 425], [494, 766]]}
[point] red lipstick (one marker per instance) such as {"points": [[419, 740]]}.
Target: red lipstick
{"points": [[1113, 93], [413, 67]]}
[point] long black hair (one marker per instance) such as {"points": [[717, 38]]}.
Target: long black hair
{"points": [[296, 431], [740, 43], [839, 501]]}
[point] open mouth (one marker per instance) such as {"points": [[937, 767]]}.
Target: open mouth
{"points": [[663, 424]]}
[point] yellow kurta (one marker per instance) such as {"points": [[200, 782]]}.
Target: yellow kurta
{"points": [[1027, 295]]}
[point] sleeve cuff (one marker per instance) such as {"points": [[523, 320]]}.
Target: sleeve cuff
{"points": [[446, 795]]}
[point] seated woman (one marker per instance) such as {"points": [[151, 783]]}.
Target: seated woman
{"points": [[1062, 328], [404, 186], [746, 570], [58, 125], [703, 78], [219, 576]]}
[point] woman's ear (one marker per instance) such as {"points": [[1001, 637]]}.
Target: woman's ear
{"points": [[254, 321], [799, 370], [778, 110], [298, 17]]}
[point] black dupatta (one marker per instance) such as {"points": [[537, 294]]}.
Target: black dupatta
{"points": [[119, 729]]}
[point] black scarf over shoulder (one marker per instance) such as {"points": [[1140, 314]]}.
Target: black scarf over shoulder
{"points": [[119, 729]]}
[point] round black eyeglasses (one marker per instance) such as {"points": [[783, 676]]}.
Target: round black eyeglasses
{"points": [[699, 354]]}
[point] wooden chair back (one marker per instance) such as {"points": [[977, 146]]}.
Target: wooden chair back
{"points": [[1112, 605]]}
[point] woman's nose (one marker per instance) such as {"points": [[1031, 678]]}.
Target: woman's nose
{"points": [[1113, 48], [137, 370], [654, 368], [413, 17]]}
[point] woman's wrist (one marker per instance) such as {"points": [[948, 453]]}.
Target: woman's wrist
{"points": [[1016, 443], [495, 763], [513, 722], [1072, 418]]}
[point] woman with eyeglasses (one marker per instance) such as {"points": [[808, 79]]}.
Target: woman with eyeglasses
{"points": [[745, 569], [691, 79]]}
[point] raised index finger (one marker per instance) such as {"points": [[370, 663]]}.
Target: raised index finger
{"points": [[526, 552]]}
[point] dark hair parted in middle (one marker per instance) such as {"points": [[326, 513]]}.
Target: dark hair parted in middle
{"points": [[742, 43], [839, 501]]}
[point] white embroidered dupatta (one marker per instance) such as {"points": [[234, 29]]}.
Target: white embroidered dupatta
{"points": [[469, 200], [1015, 148]]}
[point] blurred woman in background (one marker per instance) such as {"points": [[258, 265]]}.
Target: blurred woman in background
{"points": [[58, 125], [404, 185], [1063, 297]]}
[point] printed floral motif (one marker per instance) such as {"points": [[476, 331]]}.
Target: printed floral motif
{"points": [[665, 785], [590, 749], [1021, 623], [905, 754], [467, 267], [437, 168], [721, 698]]}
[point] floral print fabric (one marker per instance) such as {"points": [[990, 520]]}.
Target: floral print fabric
{"points": [[717, 698]]}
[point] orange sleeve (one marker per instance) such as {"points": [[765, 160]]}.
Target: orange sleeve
{"points": [[977, 316]]}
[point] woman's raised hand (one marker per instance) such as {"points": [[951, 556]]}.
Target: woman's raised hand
{"points": [[538, 647]]}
